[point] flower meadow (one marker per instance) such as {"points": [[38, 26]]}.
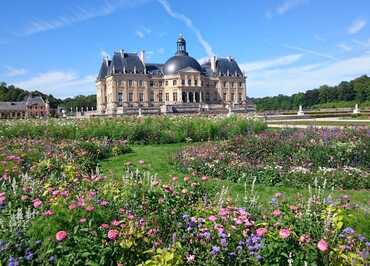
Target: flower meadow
{"points": [[57, 208], [297, 158]]}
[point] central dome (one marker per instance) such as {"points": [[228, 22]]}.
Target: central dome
{"points": [[178, 62], [181, 60]]}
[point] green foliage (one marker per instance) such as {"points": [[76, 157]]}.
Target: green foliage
{"points": [[346, 94]]}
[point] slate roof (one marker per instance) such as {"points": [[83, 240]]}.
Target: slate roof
{"points": [[21, 106], [224, 67]]}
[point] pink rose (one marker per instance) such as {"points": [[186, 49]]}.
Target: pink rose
{"points": [[276, 213], [37, 203], [212, 218], [204, 178], [322, 245], [61, 235], [284, 233], [113, 234], [261, 231]]}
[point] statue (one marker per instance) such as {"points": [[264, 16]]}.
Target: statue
{"points": [[140, 114], [230, 113], [356, 110], [300, 111]]}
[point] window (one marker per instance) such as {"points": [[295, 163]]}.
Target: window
{"points": [[152, 96], [225, 95], [224, 83], [183, 82], [160, 83], [240, 97], [151, 83], [189, 82], [120, 98], [175, 96], [174, 82], [130, 97], [140, 83], [160, 98], [130, 83], [166, 82], [196, 82], [240, 85], [141, 97], [167, 97], [232, 97], [232, 84], [207, 97]]}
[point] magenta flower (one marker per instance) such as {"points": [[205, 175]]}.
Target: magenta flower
{"points": [[284, 233], [276, 213], [104, 226], [90, 208], [322, 245], [261, 231], [61, 235], [37, 203], [113, 234], [212, 218]]}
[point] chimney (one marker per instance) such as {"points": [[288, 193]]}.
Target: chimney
{"points": [[142, 56], [213, 63]]}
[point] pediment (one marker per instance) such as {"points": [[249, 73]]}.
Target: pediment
{"points": [[189, 70]]}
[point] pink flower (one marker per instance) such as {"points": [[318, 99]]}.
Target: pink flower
{"points": [[276, 213], [2, 200], [48, 213], [322, 245], [113, 234], [103, 203], [278, 194], [92, 194], [174, 178], [37, 203], [116, 223], [261, 231], [141, 162], [284, 233], [90, 208], [204, 178], [61, 235], [83, 220], [104, 226], [224, 212], [212, 218], [72, 206], [186, 178]]}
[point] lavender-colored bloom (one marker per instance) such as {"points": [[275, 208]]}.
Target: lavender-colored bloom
{"points": [[362, 238], [274, 201], [13, 261], [239, 248], [51, 259], [328, 201], [222, 235], [185, 216], [348, 230], [29, 255], [215, 250], [223, 242]]}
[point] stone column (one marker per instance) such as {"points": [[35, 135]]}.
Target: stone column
{"points": [[187, 97], [200, 97]]}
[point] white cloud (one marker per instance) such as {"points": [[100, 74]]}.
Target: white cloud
{"points": [[356, 26], [308, 51], [189, 23], [300, 78], [79, 14], [284, 7], [14, 72], [271, 63], [60, 83], [362, 44], [140, 34], [344, 47]]}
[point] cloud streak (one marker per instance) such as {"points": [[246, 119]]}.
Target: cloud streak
{"points": [[285, 7], [79, 15], [189, 23], [308, 51], [14, 72], [356, 26], [271, 63]]}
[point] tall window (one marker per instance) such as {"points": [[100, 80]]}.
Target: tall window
{"points": [[183, 82], [152, 96], [130, 83], [240, 97], [233, 85], [141, 97], [151, 83], [140, 83], [232, 97], [160, 83], [166, 82], [130, 96], [160, 97], [120, 98], [196, 82], [174, 82], [240, 84], [224, 83], [189, 82], [167, 97], [175, 96], [225, 95]]}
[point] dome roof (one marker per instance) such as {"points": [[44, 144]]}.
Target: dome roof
{"points": [[178, 62]]}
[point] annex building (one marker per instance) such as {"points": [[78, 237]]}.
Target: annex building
{"points": [[31, 107], [126, 82]]}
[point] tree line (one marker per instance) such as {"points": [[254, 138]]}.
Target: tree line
{"points": [[10, 93], [346, 94]]}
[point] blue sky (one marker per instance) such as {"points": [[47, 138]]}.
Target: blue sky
{"points": [[285, 46]]}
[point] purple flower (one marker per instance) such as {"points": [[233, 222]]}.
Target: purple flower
{"points": [[223, 242], [215, 250], [348, 231], [29, 255]]}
